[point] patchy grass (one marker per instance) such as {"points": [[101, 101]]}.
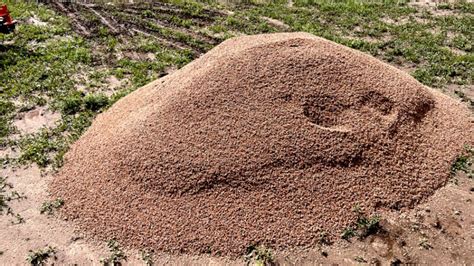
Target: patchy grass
{"points": [[39, 257], [56, 66], [116, 256], [6, 111], [390, 30], [53, 66], [49, 207]]}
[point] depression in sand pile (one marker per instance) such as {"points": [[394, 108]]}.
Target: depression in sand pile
{"points": [[266, 139]]}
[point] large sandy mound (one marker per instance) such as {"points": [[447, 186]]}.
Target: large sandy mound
{"points": [[265, 139]]}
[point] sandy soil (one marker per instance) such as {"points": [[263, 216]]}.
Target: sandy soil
{"points": [[31, 121]]}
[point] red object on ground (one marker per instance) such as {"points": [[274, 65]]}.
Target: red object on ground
{"points": [[7, 24]]}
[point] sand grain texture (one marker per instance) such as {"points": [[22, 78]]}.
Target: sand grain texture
{"points": [[265, 139]]}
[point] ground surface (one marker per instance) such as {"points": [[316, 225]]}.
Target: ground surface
{"points": [[67, 63]]}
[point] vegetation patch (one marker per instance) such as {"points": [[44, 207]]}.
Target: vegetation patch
{"points": [[260, 255], [40, 257], [147, 257], [7, 194], [116, 256], [464, 162], [363, 226], [49, 207]]}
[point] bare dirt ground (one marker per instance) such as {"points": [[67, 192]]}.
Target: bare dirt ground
{"points": [[33, 120]]}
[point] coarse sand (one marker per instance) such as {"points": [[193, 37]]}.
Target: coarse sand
{"points": [[268, 139]]}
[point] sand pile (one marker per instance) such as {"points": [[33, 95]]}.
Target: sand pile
{"points": [[265, 139]]}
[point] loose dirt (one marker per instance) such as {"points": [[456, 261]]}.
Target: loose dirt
{"points": [[33, 120], [267, 139]]}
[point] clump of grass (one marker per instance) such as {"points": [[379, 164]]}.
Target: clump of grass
{"points": [[348, 233], [147, 257], [116, 254], [39, 257], [368, 225], [464, 162], [260, 255], [49, 207], [77, 103], [38, 147], [6, 110], [364, 225], [96, 102], [71, 105]]}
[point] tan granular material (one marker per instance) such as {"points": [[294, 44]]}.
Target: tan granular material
{"points": [[266, 139]]}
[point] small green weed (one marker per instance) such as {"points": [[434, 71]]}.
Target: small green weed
{"points": [[39, 257], [348, 233], [49, 207], [368, 225], [116, 254], [147, 257], [4, 199], [7, 195], [260, 255], [363, 227], [464, 162]]}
